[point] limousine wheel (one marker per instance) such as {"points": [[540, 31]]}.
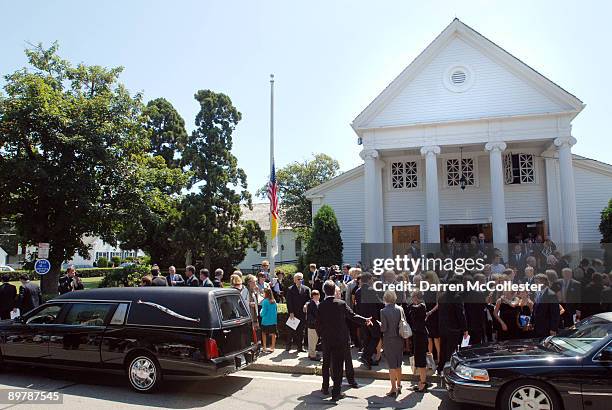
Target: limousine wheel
{"points": [[144, 373], [529, 394]]}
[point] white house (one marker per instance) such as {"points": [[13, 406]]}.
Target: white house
{"points": [[98, 249], [467, 113], [289, 247]]}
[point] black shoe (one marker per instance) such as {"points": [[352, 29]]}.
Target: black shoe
{"points": [[315, 359], [353, 384], [300, 350], [374, 362], [287, 348], [338, 397], [325, 391]]}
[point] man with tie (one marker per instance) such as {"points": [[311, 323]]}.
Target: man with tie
{"points": [[174, 279], [517, 259], [297, 296], [570, 297], [331, 326], [191, 278], [545, 317]]}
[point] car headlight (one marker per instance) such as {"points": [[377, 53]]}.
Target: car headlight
{"points": [[469, 373]]}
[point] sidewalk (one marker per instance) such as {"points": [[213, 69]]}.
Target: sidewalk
{"points": [[293, 362]]}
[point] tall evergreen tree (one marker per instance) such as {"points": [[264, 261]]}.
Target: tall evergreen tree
{"points": [[211, 228], [325, 243], [167, 131]]}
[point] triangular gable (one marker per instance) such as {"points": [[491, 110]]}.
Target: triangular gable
{"points": [[419, 95]]}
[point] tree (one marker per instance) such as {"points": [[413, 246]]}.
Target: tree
{"points": [[325, 244], [67, 139], [605, 227], [167, 131], [210, 226], [294, 180]]}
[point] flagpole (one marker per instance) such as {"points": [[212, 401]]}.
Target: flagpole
{"points": [[272, 264]]}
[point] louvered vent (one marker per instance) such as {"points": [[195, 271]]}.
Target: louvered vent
{"points": [[458, 77]]}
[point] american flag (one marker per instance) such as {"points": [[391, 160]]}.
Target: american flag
{"points": [[273, 197]]}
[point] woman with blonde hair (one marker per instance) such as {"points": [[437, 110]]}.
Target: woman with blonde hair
{"points": [[430, 298], [393, 343], [236, 283]]}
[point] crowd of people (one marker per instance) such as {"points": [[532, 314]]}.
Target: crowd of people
{"points": [[333, 310], [339, 310]]}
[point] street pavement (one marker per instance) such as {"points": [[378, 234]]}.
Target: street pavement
{"points": [[244, 390]]}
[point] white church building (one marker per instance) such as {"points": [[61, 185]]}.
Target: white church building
{"points": [[467, 139]]}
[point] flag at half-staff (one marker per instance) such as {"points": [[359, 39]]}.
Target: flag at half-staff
{"points": [[273, 185]]}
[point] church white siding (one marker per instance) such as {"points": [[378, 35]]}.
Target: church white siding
{"points": [[495, 92], [593, 191]]}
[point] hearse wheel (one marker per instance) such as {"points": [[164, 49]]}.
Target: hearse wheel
{"points": [[144, 373], [529, 394]]}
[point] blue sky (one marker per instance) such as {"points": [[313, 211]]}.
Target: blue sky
{"points": [[330, 58]]}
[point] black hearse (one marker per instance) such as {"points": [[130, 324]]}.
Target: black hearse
{"points": [[146, 333]]}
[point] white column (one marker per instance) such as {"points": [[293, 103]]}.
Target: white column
{"points": [[431, 189], [554, 223], [568, 190], [374, 229], [498, 205]]}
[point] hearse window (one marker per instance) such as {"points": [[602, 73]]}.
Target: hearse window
{"points": [[231, 307], [46, 316], [119, 315], [88, 314]]}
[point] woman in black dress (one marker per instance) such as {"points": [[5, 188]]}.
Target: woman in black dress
{"points": [[431, 321], [506, 313], [416, 319]]}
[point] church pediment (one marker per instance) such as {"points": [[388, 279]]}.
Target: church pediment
{"points": [[463, 76]]}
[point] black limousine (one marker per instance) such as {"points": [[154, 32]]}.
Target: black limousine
{"points": [[572, 370], [148, 334]]}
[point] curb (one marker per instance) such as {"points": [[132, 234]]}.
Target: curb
{"points": [[359, 373]]}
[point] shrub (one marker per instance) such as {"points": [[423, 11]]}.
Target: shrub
{"points": [[116, 261], [605, 227], [129, 276], [82, 272], [288, 268], [325, 243], [102, 262]]}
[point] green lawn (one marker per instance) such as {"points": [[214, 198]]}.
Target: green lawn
{"points": [[89, 283]]}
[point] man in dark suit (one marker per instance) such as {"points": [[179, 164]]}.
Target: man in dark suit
{"points": [[30, 296], [191, 277], [571, 291], [158, 280], [297, 296], [545, 317], [8, 293], [369, 305], [518, 259], [475, 305], [331, 326], [452, 323]]}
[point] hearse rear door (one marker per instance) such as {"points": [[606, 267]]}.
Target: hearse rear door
{"points": [[236, 333], [76, 340]]}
